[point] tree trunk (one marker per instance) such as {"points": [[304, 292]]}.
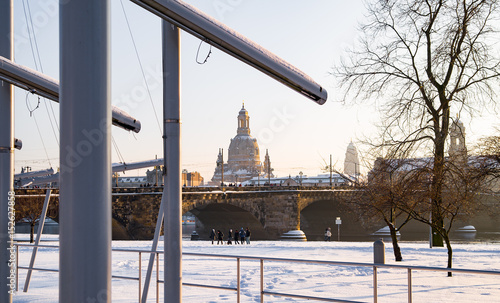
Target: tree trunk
{"points": [[450, 251], [437, 182], [395, 244]]}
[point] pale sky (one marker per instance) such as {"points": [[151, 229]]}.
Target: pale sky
{"points": [[299, 134]]}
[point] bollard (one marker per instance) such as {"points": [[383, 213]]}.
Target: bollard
{"points": [[379, 252]]}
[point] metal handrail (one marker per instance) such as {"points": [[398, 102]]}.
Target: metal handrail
{"points": [[263, 292], [139, 278]]}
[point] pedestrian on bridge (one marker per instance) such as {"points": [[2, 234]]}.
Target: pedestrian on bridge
{"points": [[220, 237], [212, 235], [229, 236], [328, 234], [247, 235], [242, 235], [236, 236]]}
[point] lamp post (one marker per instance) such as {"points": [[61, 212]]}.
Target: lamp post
{"points": [[338, 222]]}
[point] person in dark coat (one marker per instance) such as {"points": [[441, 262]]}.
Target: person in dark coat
{"points": [[212, 235], [242, 235], [247, 235], [220, 237], [229, 236], [236, 236]]}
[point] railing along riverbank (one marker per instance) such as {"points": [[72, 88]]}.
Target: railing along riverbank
{"points": [[263, 292]]}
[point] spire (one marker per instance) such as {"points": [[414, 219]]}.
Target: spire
{"points": [[268, 171], [243, 122], [457, 139], [351, 162]]}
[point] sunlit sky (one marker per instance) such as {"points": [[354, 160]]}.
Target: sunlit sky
{"points": [[299, 134]]}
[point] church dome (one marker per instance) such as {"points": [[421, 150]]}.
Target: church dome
{"points": [[243, 111], [243, 154], [243, 148]]}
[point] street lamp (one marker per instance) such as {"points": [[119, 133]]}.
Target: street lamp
{"points": [[338, 222]]}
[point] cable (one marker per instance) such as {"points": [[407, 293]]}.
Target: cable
{"points": [[208, 55], [41, 69], [29, 35], [43, 143], [28, 106], [29, 21], [120, 157], [50, 120], [142, 69], [34, 36]]}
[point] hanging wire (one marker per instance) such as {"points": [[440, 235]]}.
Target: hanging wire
{"points": [[29, 35], [34, 35], [29, 21], [43, 143], [198, 52], [120, 156], [41, 69], [28, 104], [142, 69]]}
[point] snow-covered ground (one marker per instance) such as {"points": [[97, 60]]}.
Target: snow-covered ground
{"points": [[328, 281]]}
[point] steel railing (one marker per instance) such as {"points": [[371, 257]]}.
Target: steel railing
{"points": [[264, 292]]}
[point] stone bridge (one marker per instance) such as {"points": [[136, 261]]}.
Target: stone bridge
{"points": [[268, 212]]}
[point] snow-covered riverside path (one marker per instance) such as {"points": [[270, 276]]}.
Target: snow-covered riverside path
{"points": [[339, 282]]}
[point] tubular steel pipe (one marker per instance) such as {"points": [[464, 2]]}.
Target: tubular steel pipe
{"points": [[85, 152], [261, 280], [44, 86], [41, 223], [409, 286], [238, 272], [7, 282], [172, 153], [226, 39]]}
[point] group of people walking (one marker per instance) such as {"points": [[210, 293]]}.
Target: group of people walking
{"points": [[239, 237]]}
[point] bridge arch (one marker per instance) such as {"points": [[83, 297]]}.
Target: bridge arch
{"points": [[321, 214], [224, 216]]}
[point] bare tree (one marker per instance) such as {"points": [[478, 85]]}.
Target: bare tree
{"points": [[29, 211], [395, 185], [489, 150], [464, 182], [425, 59]]}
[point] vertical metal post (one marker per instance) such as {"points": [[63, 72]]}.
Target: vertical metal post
{"points": [[157, 277], [238, 280], [375, 292], [41, 223], [17, 268], [331, 168], [140, 275], [154, 247], [261, 280], [85, 152], [172, 149], [6, 149], [409, 286]]}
